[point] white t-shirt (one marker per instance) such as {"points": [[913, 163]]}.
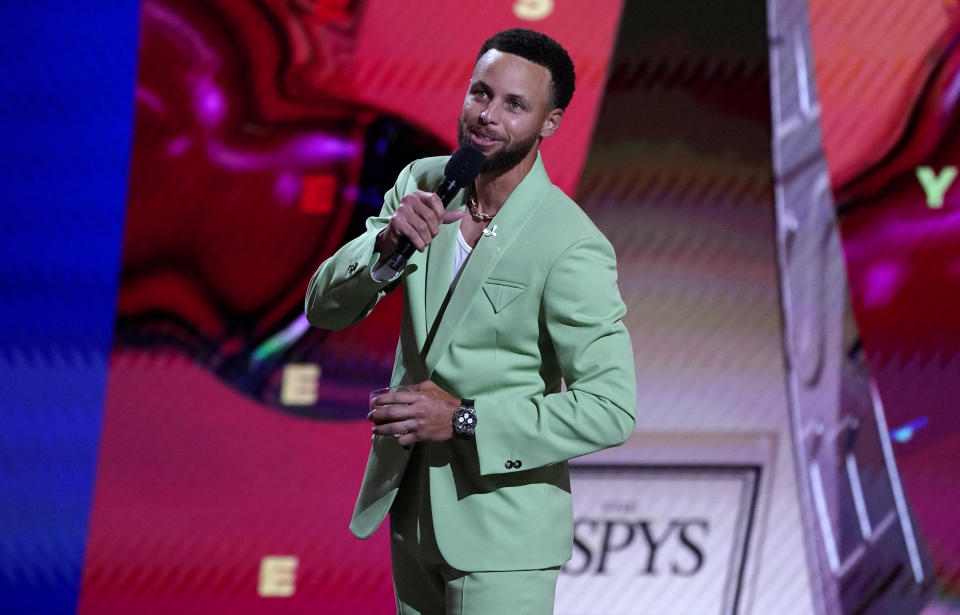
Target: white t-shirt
{"points": [[460, 254]]}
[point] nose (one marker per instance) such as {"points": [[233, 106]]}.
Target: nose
{"points": [[487, 116]]}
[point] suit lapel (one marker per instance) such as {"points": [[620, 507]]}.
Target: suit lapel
{"points": [[439, 268], [508, 225]]}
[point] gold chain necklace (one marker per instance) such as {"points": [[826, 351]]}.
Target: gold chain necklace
{"points": [[478, 215]]}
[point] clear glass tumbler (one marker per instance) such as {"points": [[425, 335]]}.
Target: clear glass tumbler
{"points": [[375, 393]]}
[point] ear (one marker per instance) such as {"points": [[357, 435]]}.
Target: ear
{"points": [[551, 123]]}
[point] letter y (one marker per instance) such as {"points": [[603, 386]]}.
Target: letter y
{"points": [[935, 186]]}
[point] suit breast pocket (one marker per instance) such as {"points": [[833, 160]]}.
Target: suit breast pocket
{"points": [[502, 293]]}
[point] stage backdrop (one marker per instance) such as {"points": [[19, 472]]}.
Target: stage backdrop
{"points": [[263, 133]]}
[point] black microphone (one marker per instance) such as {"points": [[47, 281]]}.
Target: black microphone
{"points": [[462, 168]]}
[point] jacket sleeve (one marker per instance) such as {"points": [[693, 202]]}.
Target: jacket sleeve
{"points": [[343, 291], [582, 309]]}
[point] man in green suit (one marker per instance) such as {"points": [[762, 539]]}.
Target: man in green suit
{"points": [[512, 291]]}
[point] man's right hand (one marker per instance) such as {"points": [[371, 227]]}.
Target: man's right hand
{"points": [[418, 218]]}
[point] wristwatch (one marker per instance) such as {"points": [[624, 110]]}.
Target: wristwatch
{"points": [[465, 419]]}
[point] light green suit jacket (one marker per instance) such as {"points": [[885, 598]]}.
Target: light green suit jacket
{"points": [[534, 303]]}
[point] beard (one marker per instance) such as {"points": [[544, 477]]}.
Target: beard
{"points": [[503, 160]]}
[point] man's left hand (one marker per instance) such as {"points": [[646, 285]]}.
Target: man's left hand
{"points": [[420, 413]]}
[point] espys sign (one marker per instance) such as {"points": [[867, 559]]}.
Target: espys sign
{"points": [[659, 539]]}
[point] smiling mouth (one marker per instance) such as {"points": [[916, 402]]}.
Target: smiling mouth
{"points": [[482, 140]]}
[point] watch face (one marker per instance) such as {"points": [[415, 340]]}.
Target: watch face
{"points": [[465, 420]]}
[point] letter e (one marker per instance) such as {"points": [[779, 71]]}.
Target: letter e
{"points": [[299, 384], [278, 575]]}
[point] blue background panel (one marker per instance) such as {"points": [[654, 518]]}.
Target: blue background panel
{"points": [[66, 82]]}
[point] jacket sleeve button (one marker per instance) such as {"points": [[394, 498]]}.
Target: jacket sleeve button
{"points": [[508, 465], [517, 464]]}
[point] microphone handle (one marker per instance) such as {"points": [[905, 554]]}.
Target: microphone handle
{"points": [[447, 189], [399, 258]]}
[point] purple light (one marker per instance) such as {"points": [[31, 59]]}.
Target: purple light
{"points": [[882, 282], [286, 187], [210, 103], [302, 152], [319, 148], [176, 147]]}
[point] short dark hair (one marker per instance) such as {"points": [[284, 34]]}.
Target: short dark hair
{"points": [[539, 49]]}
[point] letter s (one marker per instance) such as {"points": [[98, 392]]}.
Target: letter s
{"points": [[695, 549]]}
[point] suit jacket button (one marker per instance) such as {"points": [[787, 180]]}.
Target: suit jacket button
{"points": [[517, 464], [508, 465]]}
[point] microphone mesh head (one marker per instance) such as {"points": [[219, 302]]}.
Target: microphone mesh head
{"points": [[464, 166]]}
